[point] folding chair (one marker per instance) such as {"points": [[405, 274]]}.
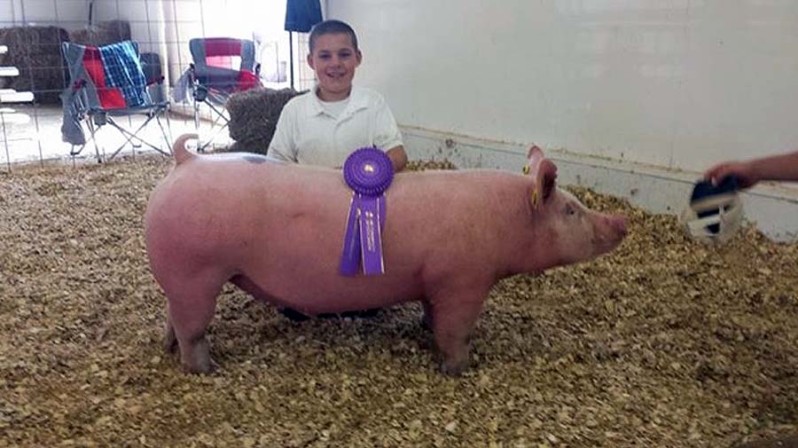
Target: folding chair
{"points": [[107, 82], [221, 67]]}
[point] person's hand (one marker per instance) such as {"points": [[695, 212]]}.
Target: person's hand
{"points": [[743, 170], [398, 158]]}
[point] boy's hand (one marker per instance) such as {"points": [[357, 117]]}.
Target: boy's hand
{"points": [[398, 158]]}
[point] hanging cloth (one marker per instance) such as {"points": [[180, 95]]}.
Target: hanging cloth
{"points": [[301, 15]]}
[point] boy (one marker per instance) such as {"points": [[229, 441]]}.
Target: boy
{"points": [[327, 124]]}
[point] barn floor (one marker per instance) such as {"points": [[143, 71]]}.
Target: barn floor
{"points": [[665, 343]]}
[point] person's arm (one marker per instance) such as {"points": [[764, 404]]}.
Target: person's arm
{"points": [[781, 167], [398, 158]]}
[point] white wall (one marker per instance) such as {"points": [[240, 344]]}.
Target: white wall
{"points": [[65, 13], [168, 25], [658, 88], [165, 26], [146, 19], [674, 85]]}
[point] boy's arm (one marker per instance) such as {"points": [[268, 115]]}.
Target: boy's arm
{"points": [[388, 136], [781, 167], [282, 145]]}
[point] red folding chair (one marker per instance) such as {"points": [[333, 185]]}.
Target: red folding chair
{"points": [[221, 67]]}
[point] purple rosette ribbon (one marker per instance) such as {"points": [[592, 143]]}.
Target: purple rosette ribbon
{"points": [[368, 172]]}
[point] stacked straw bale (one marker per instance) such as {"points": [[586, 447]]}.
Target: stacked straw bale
{"points": [[36, 52], [103, 33], [253, 117]]}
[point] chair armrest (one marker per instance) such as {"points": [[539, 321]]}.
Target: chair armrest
{"points": [[215, 76]]}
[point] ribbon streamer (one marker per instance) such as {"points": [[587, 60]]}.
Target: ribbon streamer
{"points": [[368, 172]]}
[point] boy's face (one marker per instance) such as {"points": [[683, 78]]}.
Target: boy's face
{"points": [[334, 59]]}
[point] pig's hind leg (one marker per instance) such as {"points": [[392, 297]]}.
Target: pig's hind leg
{"points": [[190, 310], [453, 316]]}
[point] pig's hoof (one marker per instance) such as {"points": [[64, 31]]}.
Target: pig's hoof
{"points": [[201, 368], [453, 368], [170, 339], [170, 343], [196, 357]]}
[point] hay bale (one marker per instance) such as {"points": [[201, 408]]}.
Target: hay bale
{"points": [[103, 33], [253, 117], [36, 52]]}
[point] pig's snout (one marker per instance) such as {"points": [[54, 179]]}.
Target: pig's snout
{"points": [[610, 231], [618, 224]]}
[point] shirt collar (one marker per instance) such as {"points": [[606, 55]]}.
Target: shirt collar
{"points": [[357, 100]]}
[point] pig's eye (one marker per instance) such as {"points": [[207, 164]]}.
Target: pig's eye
{"points": [[570, 210]]}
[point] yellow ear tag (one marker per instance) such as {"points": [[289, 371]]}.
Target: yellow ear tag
{"points": [[534, 197], [526, 169]]}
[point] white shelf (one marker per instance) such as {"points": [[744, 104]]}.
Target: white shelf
{"points": [[9, 71], [15, 97]]}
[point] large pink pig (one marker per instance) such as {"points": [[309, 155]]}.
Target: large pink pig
{"points": [[277, 232]]}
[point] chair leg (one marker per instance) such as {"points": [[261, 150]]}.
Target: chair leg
{"points": [[166, 138], [220, 123], [131, 136], [5, 141], [93, 132], [200, 148], [75, 150], [127, 134], [134, 141]]}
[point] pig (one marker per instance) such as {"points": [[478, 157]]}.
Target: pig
{"points": [[276, 231]]}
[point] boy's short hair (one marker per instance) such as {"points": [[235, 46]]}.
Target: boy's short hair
{"points": [[331, 27]]}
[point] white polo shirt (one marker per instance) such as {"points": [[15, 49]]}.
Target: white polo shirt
{"points": [[309, 132]]}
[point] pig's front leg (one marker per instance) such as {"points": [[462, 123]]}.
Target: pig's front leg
{"points": [[453, 315]]}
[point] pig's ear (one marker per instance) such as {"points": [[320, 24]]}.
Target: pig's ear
{"points": [[548, 172], [544, 175]]}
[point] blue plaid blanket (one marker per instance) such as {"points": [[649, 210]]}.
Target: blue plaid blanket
{"points": [[123, 70]]}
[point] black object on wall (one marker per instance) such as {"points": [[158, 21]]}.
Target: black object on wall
{"points": [[300, 16]]}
